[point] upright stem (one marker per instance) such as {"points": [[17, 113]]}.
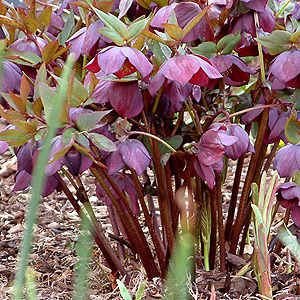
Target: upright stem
{"points": [[130, 222], [234, 195], [162, 196], [248, 181], [100, 239], [220, 223], [213, 236], [161, 255]]}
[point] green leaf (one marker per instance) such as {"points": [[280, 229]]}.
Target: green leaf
{"points": [[174, 141], [102, 142], [276, 42], [26, 58], [48, 97], [67, 136], [44, 18], [9, 22], [207, 49], [257, 213], [292, 129], [40, 77], [296, 99], [86, 122], [136, 27], [140, 291], [227, 43], [123, 290], [30, 24], [112, 35], [66, 31], [113, 22]]}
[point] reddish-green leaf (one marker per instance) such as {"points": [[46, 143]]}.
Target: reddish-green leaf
{"points": [[18, 101], [44, 17], [25, 89], [30, 24], [174, 31], [49, 51], [9, 22], [11, 114], [194, 21], [3, 9]]}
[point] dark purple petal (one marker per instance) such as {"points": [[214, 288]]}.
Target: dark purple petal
{"points": [[49, 186], [3, 146], [206, 173], [185, 12], [296, 11], [115, 162], [242, 145], [76, 42], [267, 20], [11, 78], [135, 155], [73, 160], [289, 191], [177, 94], [126, 98], [287, 160], [22, 180], [111, 60], [277, 124], [295, 214], [138, 60], [210, 148], [286, 66], [86, 163], [55, 165], [258, 5], [162, 16]]}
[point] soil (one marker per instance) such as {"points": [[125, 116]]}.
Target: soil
{"points": [[53, 257]]}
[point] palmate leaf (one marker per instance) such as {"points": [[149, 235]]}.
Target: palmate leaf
{"points": [[113, 23], [276, 42]]}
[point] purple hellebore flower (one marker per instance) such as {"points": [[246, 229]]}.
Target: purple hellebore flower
{"points": [[11, 77], [276, 122], [23, 179], [296, 11], [87, 40], [258, 5], [185, 12], [287, 160], [241, 146], [26, 44], [245, 23], [285, 70], [124, 97], [210, 152], [235, 71], [120, 61], [132, 153], [162, 16], [288, 196], [185, 69], [126, 185]]}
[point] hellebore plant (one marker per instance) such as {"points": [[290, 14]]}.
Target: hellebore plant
{"points": [[163, 97]]}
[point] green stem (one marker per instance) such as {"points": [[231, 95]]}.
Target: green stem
{"points": [[153, 137], [38, 177], [260, 51], [157, 100], [206, 254], [282, 8]]}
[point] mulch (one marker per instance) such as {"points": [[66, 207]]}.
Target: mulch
{"points": [[53, 258]]}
